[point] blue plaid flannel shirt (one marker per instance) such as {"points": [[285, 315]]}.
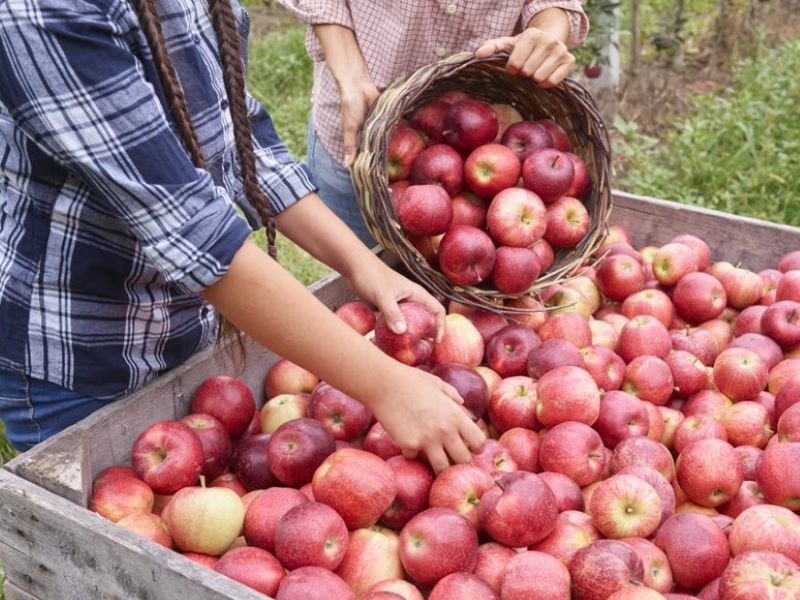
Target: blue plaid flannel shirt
{"points": [[108, 233]]}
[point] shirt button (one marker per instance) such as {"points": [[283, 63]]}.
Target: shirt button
{"points": [[441, 51], [223, 104], [204, 311], [196, 38], [451, 9]]}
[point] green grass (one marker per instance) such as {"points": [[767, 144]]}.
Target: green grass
{"points": [[738, 151]]}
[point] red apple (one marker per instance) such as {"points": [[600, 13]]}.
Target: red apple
{"points": [[621, 416], [748, 456], [405, 144], [569, 495], [576, 450], [462, 586], [435, 543], [649, 378], [516, 217], [777, 477], [378, 442], [698, 342], [460, 487], [643, 335], [747, 423], [560, 138], [567, 394], [782, 373], [428, 119], [286, 377], [698, 427], [265, 512], [548, 173], [544, 251], [769, 351], [227, 399], [602, 568], [699, 246], [523, 446], [781, 322], [373, 556], [507, 351], [468, 124], [582, 181], [461, 344], [649, 302], [466, 255], [405, 590], [415, 345], [573, 531], [515, 269], [425, 210], [526, 137], [519, 510], [513, 404], [357, 484], [672, 419], [689, 374], [604, 365], [788, 287], [760, 575], [619, 276], [764, 527], [470, 385], [699, 297], [788, 395], [313, 583], [488, 323], [468, 209], [659, 483], [118, 496], [215, 441], [311, 534], [413, 480], [657, 572], [553, 354], [740, 374], [438, 164], [344, 417], [250, 462], [396, 191], [532, 574], [568, 222], [167, 456], [643, 451], [227, 480], [148, 525], [696, 547], [749, 320], [204, 520], [625, 506], [359, 315], [709, 472], [672, 261], [742, 286], [494, 459], [253, 567], [491, 168], [297, 448], [566, 326]]}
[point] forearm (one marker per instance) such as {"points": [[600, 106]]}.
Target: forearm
{"points": [[342, 54], [258, 297], [315, 228], [554, 21]]}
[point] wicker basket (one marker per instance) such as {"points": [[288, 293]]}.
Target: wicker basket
{"points": [[569, 104]]}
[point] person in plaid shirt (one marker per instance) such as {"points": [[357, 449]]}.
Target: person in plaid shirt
{"points": [[127, 138], [359, 47]]}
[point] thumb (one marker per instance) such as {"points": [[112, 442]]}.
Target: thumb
{"points": [[349, 146], [394, 317], [494, 46]]}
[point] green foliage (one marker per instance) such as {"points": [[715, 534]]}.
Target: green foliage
{"points": [[6, 451], [279, 76], [738, 150]]}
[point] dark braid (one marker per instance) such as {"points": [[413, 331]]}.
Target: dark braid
{"points": [[169, 79], [234, 78]]}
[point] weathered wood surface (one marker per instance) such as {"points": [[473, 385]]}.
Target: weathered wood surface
{"points": [[753, 243], [54, 549]]}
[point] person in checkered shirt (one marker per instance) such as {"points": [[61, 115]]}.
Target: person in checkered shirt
{"points": [[127, 138], [359, 47]]}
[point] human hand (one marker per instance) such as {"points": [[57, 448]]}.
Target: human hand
{"points": [[386, 288], [534, 53], [357, 97], [423, 414]]}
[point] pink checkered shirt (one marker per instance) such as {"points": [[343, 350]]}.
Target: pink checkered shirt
{"points": [[397, 37]]}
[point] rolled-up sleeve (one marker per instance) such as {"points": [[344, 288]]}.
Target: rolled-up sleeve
{"points": [[283, 179], [319, 12], [578, 21], [101, 119]]}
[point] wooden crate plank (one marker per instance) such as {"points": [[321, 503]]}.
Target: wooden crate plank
{"points": [[53, 549], [754, 243], [12, 592]]}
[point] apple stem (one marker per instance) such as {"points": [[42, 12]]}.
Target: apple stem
{"points": [[202, 481]]}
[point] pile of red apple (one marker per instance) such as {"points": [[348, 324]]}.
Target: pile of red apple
{"points": [[643, 442], [484, 195]]}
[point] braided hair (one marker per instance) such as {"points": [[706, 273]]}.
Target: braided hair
{"points": [[234, 78]]}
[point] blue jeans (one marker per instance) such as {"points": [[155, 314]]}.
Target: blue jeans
{"points": [[336, 187], [34, 410]]}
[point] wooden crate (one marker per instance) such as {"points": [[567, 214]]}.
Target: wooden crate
{"points": [[52, 547]]}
